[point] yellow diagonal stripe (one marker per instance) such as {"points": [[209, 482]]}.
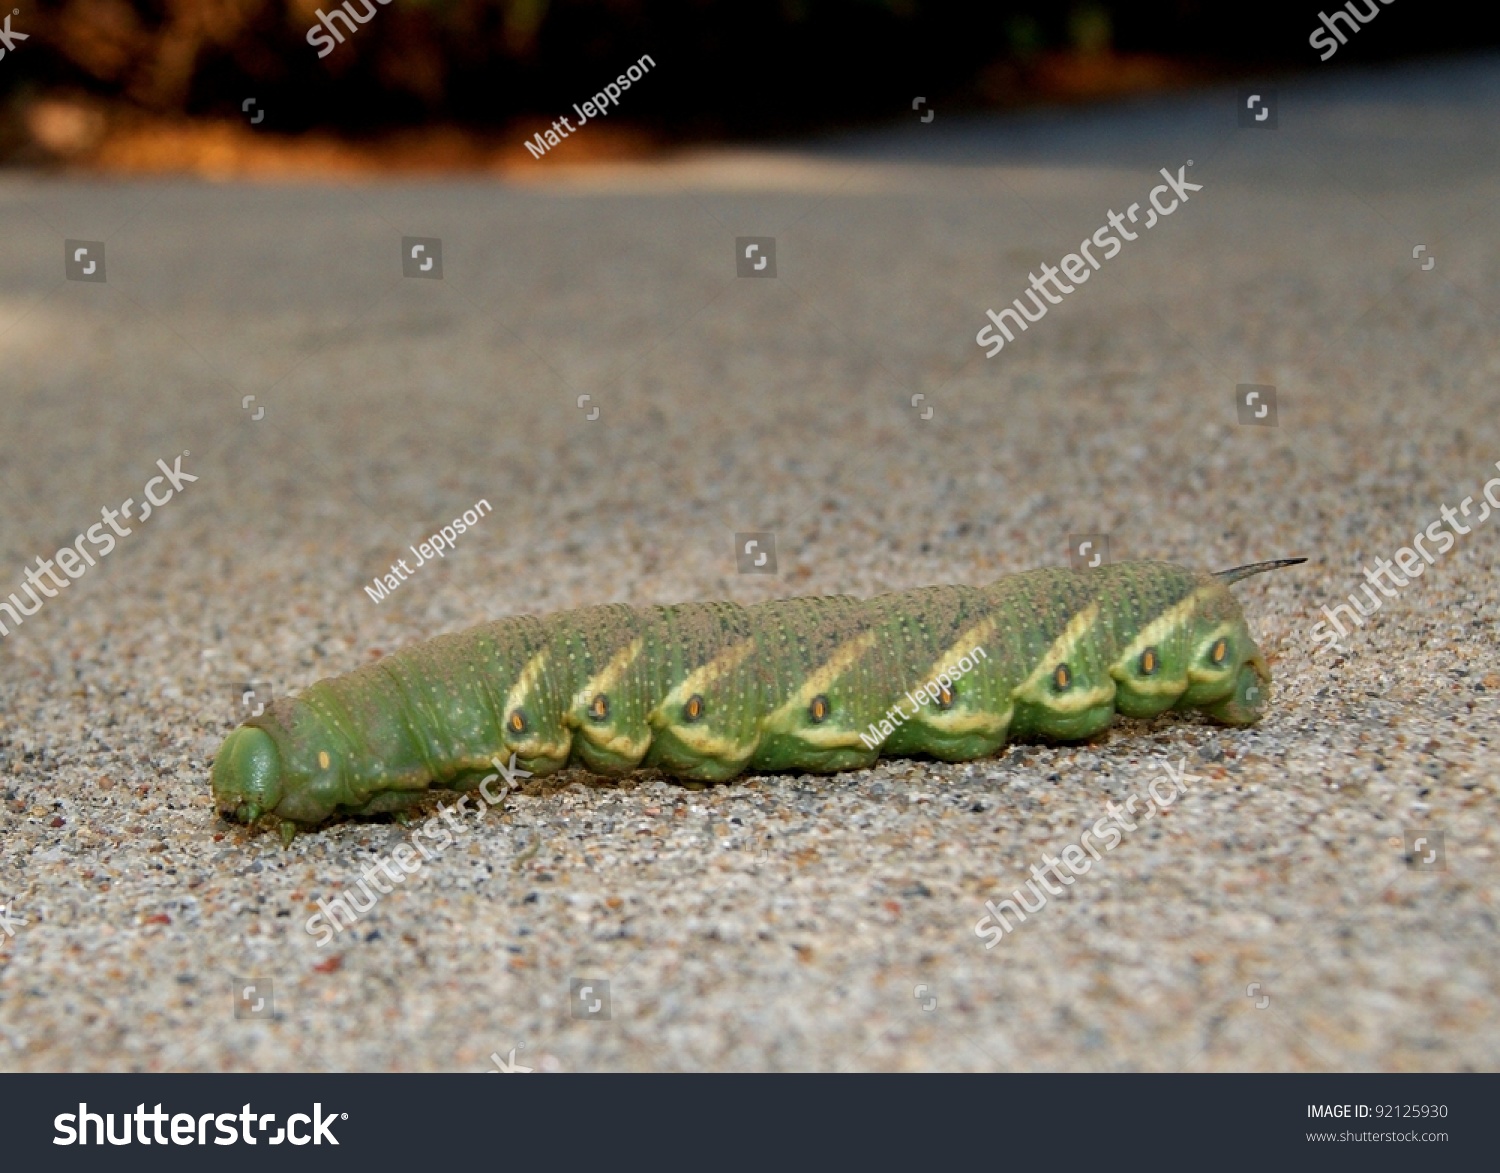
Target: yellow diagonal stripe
{"points": [[1063, 648], [521, 690], [699, 679], [606, 680], [786, 716]]}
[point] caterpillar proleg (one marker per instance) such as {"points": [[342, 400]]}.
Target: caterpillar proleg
{"points": [[708, 690]]}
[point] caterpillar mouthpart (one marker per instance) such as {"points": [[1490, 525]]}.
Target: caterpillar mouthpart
{"points": [[1247, 702], [247, 775]]}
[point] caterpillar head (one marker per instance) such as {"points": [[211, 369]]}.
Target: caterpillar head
{"points": [[247, 775], [1229, 678], [290, 762]]}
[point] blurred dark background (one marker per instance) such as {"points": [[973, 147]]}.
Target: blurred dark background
{"points": [[139, 84]]}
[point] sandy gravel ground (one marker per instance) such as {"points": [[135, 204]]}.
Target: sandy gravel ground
{"points": [[1279, 917]]}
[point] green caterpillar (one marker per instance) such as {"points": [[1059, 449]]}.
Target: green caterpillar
{"points": [[707, 690]]}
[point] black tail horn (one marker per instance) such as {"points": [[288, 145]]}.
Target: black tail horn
{"points": [[1232, 576]]}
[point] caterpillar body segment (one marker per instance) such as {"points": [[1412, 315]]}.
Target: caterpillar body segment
{"points": [[707, 691]]}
